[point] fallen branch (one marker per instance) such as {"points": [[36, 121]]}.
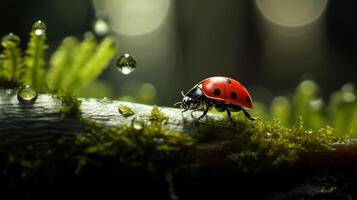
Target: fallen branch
{"points": [[29, 127]]}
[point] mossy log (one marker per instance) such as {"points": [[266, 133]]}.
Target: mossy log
{"points": [[32, 126]]}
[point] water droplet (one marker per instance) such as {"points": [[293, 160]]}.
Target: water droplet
{"points": [[39, 28], [27, 94], [10, 40], [137, 125], [126, 64], [101, 26]]}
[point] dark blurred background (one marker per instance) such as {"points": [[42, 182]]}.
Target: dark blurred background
{"points": [[268, 45]]}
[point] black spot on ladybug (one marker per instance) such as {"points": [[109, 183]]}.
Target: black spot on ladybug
{"points": [[217, 92], [228, 81], [233, 95], [248, 100]]}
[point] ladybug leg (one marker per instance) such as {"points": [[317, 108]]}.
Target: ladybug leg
{"points": [[192, 113], [230, 116], [247, 115], [204, 113]]}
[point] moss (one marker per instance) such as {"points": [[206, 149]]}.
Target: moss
{"points": [[70, 106], [157, 116], [259, 146], [126, 111], [152, 145], [12, 66], [35, 61], [147, 145]]}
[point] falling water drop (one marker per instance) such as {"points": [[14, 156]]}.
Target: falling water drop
{"points": [[101, 26], [27, 94], [126, 64], [10, 40], [39, 28]]}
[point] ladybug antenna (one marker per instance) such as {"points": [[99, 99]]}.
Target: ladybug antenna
{"points": [[183, 94], [178, 103]]}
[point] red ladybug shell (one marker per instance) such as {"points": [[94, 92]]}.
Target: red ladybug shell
{"points": [[227, 90]]}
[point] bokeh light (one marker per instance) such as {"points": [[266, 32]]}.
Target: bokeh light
{"points": [[135, 17], [291, 13]]}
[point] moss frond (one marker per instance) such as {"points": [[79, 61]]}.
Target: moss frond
{"points": [[61, 62], [281, 109], [3, 73], [308, 105], [157, 116], [82, 56], [35, 61], [94, 66], [12, 69]]}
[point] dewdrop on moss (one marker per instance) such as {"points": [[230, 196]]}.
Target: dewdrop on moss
{"points": [[10, 41], [126, 64], [27, 94], [39, 28]]}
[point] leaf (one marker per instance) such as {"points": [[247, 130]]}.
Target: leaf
{"points": [[82, 56], [281, 109], [35, 61], [12, 65], [61, 62], [95, 65]]}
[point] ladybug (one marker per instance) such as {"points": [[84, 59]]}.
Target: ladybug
{"points": [[223, 93]]}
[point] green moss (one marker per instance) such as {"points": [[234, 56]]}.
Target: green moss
{"points": [[126, 111], [35, 61], [73, 66], [147, 146], [61, 61], [259, 145], [70, 106], [12, 66], [152, 140], [157, 116]]}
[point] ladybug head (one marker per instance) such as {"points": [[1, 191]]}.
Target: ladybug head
{"points": [[185, 103], [191, 100]]}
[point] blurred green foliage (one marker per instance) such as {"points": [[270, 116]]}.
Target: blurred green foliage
{"points": [[34, 74], [73, 66], [339, 112], [12, 66]]}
